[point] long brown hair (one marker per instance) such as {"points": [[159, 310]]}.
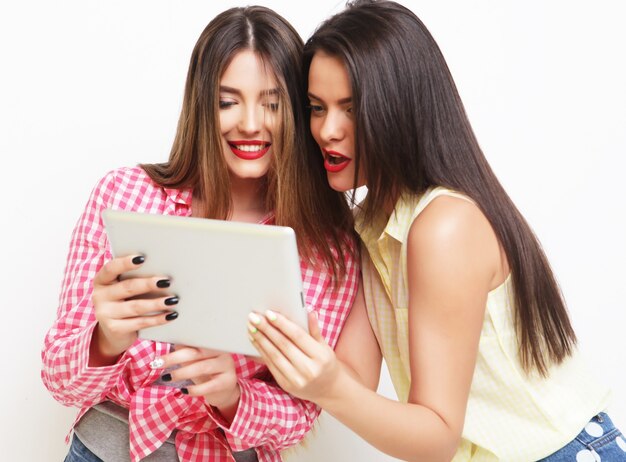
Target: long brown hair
{"points": [[412, 133], [296, 188]]}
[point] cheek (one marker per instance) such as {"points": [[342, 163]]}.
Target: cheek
{"points": [[272, 124], [314, 126], [228, 120]]}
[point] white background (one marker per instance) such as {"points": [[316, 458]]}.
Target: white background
{"points": [[87, 86]]}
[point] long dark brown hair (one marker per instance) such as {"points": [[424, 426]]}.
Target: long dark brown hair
{"points": [[296, 187], [412, 133]]}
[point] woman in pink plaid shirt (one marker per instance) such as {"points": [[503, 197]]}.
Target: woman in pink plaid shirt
{"points": [[237, 155]]}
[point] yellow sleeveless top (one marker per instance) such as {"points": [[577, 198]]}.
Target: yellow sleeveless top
{"points": [[511, 416]]}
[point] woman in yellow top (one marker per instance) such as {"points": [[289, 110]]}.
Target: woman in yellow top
{"points": [[460, 299]]}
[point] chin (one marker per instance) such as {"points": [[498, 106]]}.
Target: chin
{"points": [[340, 184], [249, 170], [248, 175]]}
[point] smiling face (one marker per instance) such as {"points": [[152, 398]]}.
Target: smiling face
{"points": [[248, 115], [332, 122]]}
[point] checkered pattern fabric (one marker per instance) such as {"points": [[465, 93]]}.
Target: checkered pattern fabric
{"points": [[268, 418], [511, 416]]}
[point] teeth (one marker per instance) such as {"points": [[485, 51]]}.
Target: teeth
{"points": [[249, 147]]}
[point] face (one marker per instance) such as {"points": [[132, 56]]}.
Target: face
{"points": [[248, 115], [332, 122]]}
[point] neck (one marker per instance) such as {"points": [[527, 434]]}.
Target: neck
{"points": [[248, 199]]}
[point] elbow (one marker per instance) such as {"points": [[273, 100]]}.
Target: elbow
{"points": [[443, 455], [450, 450], [443, 450]]}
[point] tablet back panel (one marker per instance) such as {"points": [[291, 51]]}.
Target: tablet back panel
{"points": [[220, 270]]}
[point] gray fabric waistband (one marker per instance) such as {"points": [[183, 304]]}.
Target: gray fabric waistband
{"points": [[104, 431]]}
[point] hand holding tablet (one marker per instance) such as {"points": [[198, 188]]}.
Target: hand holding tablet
{"points": [[219, 270]]}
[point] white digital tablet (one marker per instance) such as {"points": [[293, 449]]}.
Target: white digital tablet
{"points": [[220, 271]]}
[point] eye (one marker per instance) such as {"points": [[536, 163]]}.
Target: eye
{"points": [[225, 104], [271, 106], [315, 109]]}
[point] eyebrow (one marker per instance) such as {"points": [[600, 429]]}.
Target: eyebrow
{"points": [[235, 91], [341, 101]]}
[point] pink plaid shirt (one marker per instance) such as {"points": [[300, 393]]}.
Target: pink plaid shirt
{"points": [[268, 418]]}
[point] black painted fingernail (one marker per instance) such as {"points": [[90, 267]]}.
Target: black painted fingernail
{"points": [[171, 316], [184, 391], [163, 283], [171, 301], [166, 377], [138, 260]]}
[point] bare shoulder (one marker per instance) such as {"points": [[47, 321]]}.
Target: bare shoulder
{"points": [[449, 218], [451, 233]]}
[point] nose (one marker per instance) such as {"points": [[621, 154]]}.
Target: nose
{"points": [[251, 120], [332, 128]]}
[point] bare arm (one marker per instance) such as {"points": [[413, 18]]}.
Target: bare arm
{"points": [[453, 261], [357, 347]]}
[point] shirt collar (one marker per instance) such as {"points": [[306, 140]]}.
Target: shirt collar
{"points": [[179, 196], [396, 226], [184, 197]]}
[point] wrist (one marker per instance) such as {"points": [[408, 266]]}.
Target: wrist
{"points": [[228, 407], [337, 394], [101, 352]]}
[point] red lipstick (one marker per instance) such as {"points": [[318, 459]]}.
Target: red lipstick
{"points": [[334, 161], [259, 148]]}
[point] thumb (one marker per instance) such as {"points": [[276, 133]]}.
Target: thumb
{"points": [[314, 328]]}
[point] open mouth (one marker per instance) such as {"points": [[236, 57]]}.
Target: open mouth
{"points": [[249, 149], [334, 161]]}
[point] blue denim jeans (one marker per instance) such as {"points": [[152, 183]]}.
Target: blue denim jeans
{"points": [[599, 441], [79, 453]]}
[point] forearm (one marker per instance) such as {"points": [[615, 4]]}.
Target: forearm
{"points": [[406, 431]]}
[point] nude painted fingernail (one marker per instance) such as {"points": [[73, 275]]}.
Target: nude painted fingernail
{"points": [[157, 363], [254, 318], [269, 314], [251, 338], [252, 329]]}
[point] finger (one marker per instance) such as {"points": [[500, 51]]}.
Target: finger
{"points": [[314, 327], [208, 352], [134, 287], [113, 268], [286, 332], [134, 324], [278, 352], [197, 371], [184, 355], [135, 308], [287, 347], [210, 386], [279, 377]]}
